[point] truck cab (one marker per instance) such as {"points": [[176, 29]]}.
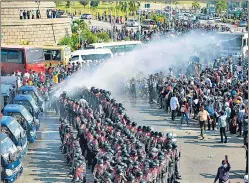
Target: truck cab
{"points": [[32, 90], [30, 104], [10, 160], [16, 133], [25, 119]]}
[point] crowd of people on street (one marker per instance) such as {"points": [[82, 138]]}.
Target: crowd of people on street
{"points": [[216, 98]]}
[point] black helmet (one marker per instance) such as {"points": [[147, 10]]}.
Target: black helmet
{"points": [[130, 177], [153, 164], [134, 124], [148, 128], [174, 145], [119, 171], [161, 158], [139, 173], [100, 161], [168, 146]]}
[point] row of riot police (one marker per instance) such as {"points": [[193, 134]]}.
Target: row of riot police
{"points": [[115, 148]]}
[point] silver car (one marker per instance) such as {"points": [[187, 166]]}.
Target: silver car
{"points": [[132, 23]]}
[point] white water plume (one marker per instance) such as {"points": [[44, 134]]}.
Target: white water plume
{"points": [[154, 57]]}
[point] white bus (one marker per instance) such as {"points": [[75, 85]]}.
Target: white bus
{"points": [[117, 47], [86, 56], [233, 43]]}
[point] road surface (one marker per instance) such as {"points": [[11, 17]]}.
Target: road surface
{"points": [[199, 162], [200, 158], [107, 25], [44, 161]]}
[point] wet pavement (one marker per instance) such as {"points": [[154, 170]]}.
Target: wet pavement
{"points": [[44, 161], [199, 159]]}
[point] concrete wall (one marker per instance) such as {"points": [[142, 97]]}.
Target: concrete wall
{"points": [[37, 32]]}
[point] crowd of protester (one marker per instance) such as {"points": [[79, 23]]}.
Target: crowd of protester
{"points": [[216, 98]]}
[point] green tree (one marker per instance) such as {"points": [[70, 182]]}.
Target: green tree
{"points": [[103, 37], [72, 41], [79, 25], [196, 5], [68, 4], [220, 6], [84, 3], [58, 3], [132, 7], [94, 3], [124, 6]]}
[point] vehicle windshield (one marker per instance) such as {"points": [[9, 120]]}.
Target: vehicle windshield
{"points": [[75, 58], [228, 42], [16, 129], [34, 105], [30, 105], [89, 47], [32, 93], [96, 56], [34, 55], [7, 146], [27, 115], [52, 54]]}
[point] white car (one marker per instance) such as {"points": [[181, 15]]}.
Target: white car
{"points": [[210, 20], [86, 16], [217, 19], [132, 23]]}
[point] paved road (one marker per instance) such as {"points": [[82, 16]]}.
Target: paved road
{"points": [[200, 159], [44, 161], [107, 25]]}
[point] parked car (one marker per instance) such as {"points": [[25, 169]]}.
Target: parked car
{"points": [[148, 24], [217, 19], [242, 23], [86, 16], [132, 23]]}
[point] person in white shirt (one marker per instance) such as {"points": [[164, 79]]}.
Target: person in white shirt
{"points": [[83, 102], [174, 104]]}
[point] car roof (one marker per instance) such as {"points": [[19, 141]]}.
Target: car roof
{"points": [[28, 88], [5, 120], [3, 135], [23, 97], [14, 107]]}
